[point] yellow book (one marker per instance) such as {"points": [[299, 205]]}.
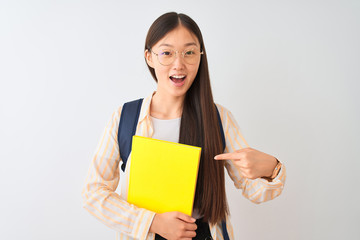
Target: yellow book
{"points": [[163, 175]]}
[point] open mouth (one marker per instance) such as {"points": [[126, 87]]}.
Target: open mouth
{"points": [[178, 80]]}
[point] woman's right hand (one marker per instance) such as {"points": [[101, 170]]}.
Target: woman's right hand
{"points": [[174, 226]]}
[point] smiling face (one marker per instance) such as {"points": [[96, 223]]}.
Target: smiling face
{"points": [[176, 78]]}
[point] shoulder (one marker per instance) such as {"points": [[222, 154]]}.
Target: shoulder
{"points": [[224, 112], [115, 117], [221, 107], [133, 108], [227, 118]]}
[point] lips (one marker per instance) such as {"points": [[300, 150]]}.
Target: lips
{"points": [[178, 80]]}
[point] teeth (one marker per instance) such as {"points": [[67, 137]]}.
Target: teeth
{"points": [[178, 76]]}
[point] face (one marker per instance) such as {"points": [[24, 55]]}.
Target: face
{"points": [[176, 78]]}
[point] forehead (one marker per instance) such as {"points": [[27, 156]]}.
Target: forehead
{"points": [[179, 37]]}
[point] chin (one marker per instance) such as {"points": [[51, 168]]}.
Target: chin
{"points": [[179, 92]]}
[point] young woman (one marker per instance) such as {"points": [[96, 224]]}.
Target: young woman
{"points": [[181, 110]]}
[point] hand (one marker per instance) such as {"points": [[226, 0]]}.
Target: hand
{"points": [[174, 226], [251, 162]]}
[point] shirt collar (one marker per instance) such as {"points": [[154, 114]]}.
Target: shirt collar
{"points": [[144, 118]]}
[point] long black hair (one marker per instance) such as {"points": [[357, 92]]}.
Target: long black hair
{"points": [[199, 122]]}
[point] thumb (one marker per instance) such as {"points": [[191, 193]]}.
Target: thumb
{"points": [[185, 218]]}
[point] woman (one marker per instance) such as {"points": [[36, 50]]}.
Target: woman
{"points": [[181, 110]]}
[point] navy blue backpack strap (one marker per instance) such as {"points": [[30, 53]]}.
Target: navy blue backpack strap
{"points": [[221, 128], [223, 223], [225, 233], [127, 128]]}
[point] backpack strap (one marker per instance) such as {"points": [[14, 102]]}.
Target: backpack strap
{"points": [[127, 128], [221, 129], [224, 230], [223, 222]]}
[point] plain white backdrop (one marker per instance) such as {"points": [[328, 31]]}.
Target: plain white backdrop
{"points": [[288, 70]]}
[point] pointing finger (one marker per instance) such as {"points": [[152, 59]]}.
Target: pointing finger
{"points": [[226, 156]]}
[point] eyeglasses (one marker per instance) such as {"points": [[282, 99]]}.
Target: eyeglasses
{"points": [[167, 57]]}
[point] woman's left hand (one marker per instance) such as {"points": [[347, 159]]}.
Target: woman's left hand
{"points": [[251, 162]]}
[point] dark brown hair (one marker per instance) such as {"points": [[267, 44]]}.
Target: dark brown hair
{"points": [[199, 122]]}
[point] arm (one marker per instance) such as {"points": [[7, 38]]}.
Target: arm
{"points": [[99, 197], [248, 167], [101, 201]]}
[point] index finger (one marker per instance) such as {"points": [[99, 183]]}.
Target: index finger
{"points": [[226, 156], [184, 217]]}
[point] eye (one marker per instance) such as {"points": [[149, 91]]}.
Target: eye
{"points": [[189, 53], [165, 53]]}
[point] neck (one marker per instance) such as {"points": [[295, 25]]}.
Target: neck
{"points": [[165, 106]]}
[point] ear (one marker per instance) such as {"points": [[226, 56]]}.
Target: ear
{"points": [[148, 58]]}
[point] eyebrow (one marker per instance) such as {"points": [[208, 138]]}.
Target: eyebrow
{"points": [[186, 45]]}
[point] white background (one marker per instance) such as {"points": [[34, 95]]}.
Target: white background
{"points": [[288, 70]]}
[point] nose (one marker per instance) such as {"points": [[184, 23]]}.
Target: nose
{"points": [[179, 61]]}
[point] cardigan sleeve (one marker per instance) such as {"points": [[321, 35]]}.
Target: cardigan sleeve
{"points": [[99, 196], [257, 190]]}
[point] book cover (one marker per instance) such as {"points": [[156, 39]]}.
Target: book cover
{"points": [[163, 175]]}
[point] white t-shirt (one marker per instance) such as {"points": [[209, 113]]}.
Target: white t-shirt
{"points": [[167, 130]]}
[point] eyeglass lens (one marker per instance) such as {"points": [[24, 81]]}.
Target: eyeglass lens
{"points": [[191, 56]]}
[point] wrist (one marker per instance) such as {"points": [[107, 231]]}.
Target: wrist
{"points": [[154, 224], [157, 224], [274, 172]]}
